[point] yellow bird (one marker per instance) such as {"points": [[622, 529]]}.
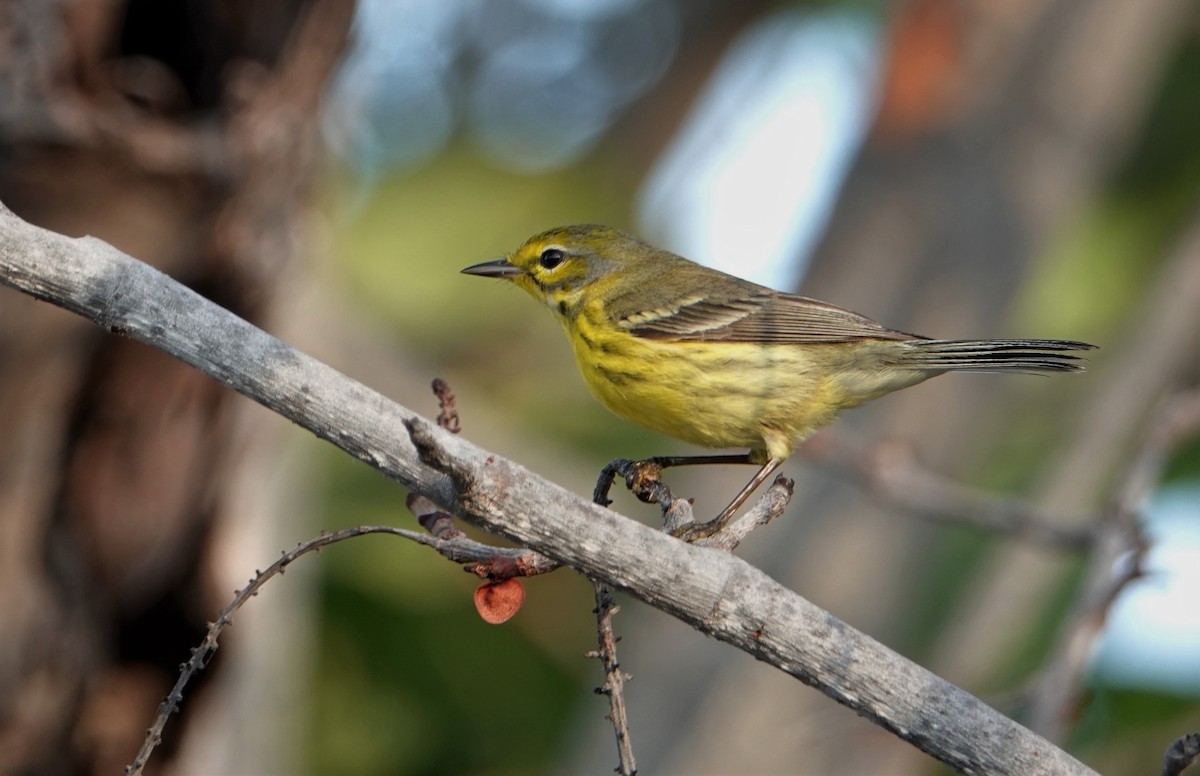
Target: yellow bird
{"points": [[718, 361]]}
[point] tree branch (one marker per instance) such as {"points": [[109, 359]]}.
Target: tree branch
{"points": [[713, 591]]}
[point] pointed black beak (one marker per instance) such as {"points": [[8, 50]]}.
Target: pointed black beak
{"points": [[500, 268]]}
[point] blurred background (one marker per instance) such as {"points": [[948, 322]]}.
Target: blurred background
{"points": [[959, 168]]}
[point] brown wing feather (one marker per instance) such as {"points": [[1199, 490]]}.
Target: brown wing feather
{"points": [[759, 315]]}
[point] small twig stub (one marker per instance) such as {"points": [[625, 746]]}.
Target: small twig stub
{"points": [[447, 413], [1181, 755]]}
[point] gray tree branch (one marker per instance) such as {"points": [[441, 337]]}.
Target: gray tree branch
{"points": [[713, 591]]}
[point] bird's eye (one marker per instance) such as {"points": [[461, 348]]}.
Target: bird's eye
{"points": [[551, 258]]}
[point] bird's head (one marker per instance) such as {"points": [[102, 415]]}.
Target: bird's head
{"points": [[557, 265]]}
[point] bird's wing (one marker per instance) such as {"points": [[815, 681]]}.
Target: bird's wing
{"points": [[754, 314]]}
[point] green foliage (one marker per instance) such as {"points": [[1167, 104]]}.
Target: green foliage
{"points": [[403, 245], [954, 552], [433, 691], [1128, 730]]}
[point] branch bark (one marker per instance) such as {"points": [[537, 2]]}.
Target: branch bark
{"points": [[715, 592]]}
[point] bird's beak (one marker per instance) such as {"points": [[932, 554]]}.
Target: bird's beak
{"points": [[499, 268]]}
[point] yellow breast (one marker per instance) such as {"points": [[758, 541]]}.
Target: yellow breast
{"points": [[762, 397]]}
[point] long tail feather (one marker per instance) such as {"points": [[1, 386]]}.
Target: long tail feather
{"points": [[1005, 355]]}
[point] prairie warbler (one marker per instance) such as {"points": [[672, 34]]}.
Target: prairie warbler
{"points": [[718, 361]]}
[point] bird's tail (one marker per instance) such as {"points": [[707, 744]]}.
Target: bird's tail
{"points": [[995, 355]]}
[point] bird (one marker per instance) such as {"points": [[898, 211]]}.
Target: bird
{"points": [[720, 362]]}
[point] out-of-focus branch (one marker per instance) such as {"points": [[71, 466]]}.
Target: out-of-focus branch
{"points": [[715, 592], [1116, 561], [891, 472], [269, 102], [1155, 351]]}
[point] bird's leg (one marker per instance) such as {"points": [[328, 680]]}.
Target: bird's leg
{"points": [[704, 530], [642, 479]]}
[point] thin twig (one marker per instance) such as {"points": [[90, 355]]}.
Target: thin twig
{"points": [[614, 677], [485, 561], [458, 550], [1181, 755], [768, 507]]}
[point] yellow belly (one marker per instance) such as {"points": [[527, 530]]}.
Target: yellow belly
{"points": [[767, 398]]}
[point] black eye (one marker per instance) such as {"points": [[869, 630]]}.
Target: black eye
{"points": [[551, 258]]}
